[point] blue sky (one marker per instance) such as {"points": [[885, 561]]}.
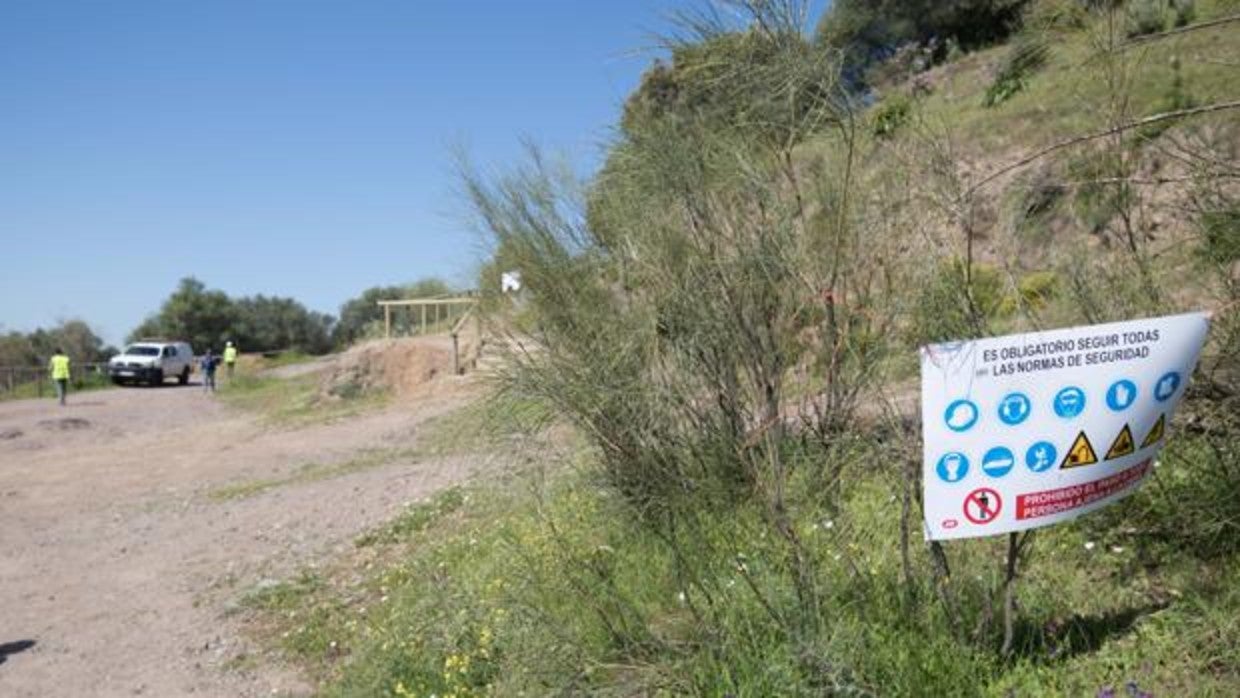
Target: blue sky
{"points": [[291, 147]]}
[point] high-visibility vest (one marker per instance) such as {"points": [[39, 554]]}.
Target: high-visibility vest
{"points": [[230, 355], [60, 367]]}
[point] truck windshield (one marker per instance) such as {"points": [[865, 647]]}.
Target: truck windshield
{"points": [[142, 351]]}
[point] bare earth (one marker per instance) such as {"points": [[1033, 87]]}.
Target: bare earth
{"points": [[119, 567]]}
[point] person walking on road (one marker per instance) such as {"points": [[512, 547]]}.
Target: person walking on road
{"points": [[230, 359], [59, 366], [207, 363]]}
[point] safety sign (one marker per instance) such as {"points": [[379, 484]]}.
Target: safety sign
{"points": [[1070, 402], [1035, 429], [982, 506], [1156, 432], [1041, 456], [1081, 452], [1122, 445]]}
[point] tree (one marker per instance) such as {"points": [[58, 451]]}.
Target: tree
{"points": [[359, 316], [266, 323], [208, 318], [204, 318], [75, 337]]}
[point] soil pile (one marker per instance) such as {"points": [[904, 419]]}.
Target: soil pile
{"points": [[399, 365]]}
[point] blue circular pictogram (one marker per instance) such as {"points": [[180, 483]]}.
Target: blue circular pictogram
{"points": [[998, 461], [961, 415], [1014, 408], [1121, 395], [953, 467], [1166, 386], [1041, 456], [1070, 402]]}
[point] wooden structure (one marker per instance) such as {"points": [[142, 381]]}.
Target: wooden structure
{"points": [[432, 311], [459, 313]]}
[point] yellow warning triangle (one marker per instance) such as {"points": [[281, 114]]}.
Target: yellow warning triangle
{"points": [[1156, 433], [1123, 445], [1081, 453]]}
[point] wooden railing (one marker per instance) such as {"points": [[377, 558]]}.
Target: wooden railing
{"points": [[470, 317], [432, 312]]}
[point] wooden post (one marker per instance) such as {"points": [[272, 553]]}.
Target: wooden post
{"points": [[456, 356], [423, 319], [387, 321]]}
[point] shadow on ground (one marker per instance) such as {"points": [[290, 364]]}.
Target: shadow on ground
{"points": [[11, 648], [1061, 639]]}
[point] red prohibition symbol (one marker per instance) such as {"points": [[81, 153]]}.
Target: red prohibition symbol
{"points": [[982, 505]]}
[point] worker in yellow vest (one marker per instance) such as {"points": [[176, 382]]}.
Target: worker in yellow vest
{"points": [[230, 358], [59, 366]]}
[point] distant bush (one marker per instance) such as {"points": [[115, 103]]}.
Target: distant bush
{"points": [[1025, 58], [361, 317], [1185, 12], [871, 32], [1038, 288], [1033, 199], [1146, 17], [891, 115], [207, 318], [1220, 234], [1056, 16], [945, 311]]}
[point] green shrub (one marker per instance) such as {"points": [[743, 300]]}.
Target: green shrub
{"points": [[1026, 57], [943, 310], [891, 115], [1056, 15], [1038, 288], [1185, 12], [1146, 17], [1220, 235]]}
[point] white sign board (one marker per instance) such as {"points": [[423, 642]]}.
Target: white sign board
{"points": [[510, 282], [1033, 429]]}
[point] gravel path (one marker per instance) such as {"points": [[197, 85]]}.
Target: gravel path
{"points": [[120, 569]]}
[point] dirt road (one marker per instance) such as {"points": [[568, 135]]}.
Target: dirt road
{"points": [[119, 568]]}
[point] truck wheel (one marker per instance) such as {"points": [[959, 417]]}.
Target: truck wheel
{"points": [[157, 377], [183, 379]]}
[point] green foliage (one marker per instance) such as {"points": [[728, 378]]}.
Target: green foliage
{"points": [[362, 318], [1098, 197], [1025, 58], [956, 302], [208, 318], [891, 115], [415, 519], [764, 81], [1056, 16], [1038, 288], [292, 401], [1185, 12], [74, 337], [1220, 233], [1175, 97], [869, 32], [1152, 16], [266, 323], [1146, 16]]}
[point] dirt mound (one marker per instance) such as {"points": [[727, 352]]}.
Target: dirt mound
{"points": [[399, 365], [65, 424]]}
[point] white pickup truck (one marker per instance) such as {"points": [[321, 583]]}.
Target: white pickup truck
{"points": [[152, 362]]}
